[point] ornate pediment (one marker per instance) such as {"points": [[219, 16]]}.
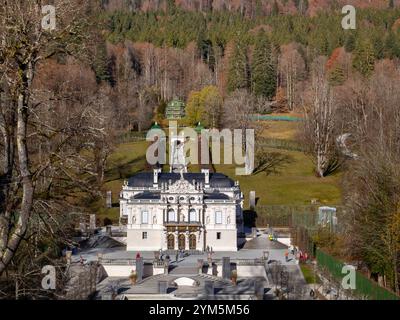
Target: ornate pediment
{"points": [[182, 186]]}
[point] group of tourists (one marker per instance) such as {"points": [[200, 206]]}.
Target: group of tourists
{"points": [[296, 253]]}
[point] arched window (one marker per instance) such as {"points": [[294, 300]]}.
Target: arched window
{"points": [[171, 216], [193, 216], [192, 242], [171, 242]]}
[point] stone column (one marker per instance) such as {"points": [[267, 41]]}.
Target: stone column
{"points": [[139, 268], [109, 200], [200, 265], [162, 287], [200, 242], [164, 238], [259, 289], [252, 200], [92, 222], [187, 240], [209, 288], [226, 267], [176, 240], [166, 266], [210, 264]]}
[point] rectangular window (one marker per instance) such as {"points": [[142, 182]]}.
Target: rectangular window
{"points": [[144, 235], [218, 217], [193, 216], [145, 217], [171, 216], [218, 235]]}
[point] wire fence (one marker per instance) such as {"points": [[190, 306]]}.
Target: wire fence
{"points": [[131, 136], [365, 287], [288, 216], [302, 220], [264, 117]]}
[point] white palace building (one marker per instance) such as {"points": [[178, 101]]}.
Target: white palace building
{"points": [[182, 211]]}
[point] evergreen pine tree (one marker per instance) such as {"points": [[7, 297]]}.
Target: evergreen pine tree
{"points": [[364, 57], [238, 74], [350, 42], [263, 68], [100, 64], [379, 48], [259, 11], [337, 76], [275, 9], [171, 6], [392, 46]]}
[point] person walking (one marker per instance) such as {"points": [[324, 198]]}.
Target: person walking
{"points": [[177, 256], [286, 256]]}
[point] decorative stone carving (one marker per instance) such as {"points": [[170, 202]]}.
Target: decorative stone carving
{"points": [[182, 186]]}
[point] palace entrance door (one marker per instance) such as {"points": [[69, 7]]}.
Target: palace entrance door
{"points": [[192, 242], [171, 242], [181, 242]]}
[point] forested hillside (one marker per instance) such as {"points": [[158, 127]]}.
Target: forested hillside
{"points": [[249, 8], [176, 52]]}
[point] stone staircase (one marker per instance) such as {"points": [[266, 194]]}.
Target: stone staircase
{"points": [[184, 270], [172, 253]]}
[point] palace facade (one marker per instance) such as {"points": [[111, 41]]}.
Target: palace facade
{"points": [[182, 211]]}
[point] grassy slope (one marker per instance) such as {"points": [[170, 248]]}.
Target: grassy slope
{"points": [[308, 273], [280, 129], [294, 185], [126, 160]]}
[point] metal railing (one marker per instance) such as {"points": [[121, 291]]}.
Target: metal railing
{"points": [[112, 262], [364, 286]]}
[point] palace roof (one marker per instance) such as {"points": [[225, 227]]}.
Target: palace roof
{"points": [[145, 179]]}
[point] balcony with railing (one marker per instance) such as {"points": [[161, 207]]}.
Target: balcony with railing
{"points": [[182, 223]]}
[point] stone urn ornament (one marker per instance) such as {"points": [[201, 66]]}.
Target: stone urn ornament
{"points": [[234, 277], [133, 277]]}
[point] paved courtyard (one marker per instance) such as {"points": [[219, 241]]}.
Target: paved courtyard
{"points": [[253, 249]]}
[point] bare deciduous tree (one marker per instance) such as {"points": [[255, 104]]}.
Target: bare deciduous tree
{"points": [[319, 134], [23, 45], [372, 180]]}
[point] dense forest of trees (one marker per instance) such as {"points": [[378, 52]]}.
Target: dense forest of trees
{"points": [[321, 33], [228, 48]]}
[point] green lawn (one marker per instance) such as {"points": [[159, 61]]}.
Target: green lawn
{"points": [[126, 160], [295, 184], [308, 274], [280, 129]]}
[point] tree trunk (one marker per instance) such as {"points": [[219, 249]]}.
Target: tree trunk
{"points": [[18, 233]]}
